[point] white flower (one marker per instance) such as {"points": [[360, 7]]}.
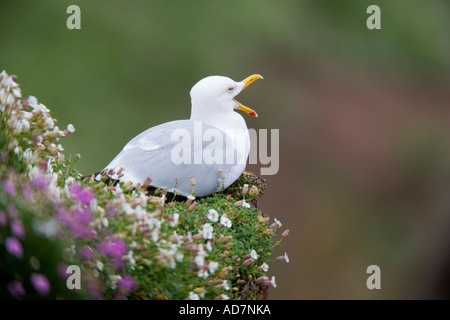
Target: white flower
{"points": [[224, 296], [27, 155], [133, 231], [17, 92], [264, 267], [100, 265], [118, 192], [191, 197], [6, 98], [213, 215], [277, 222], [139, 211], [42, 108], [225, 221], [245, 204], [144, 198], [286, 257], [274, 284], [131, 259], [93, 206], [126, 207], [225, 284], [207, 231], [69, 181], [18, 126], [27, 115], [193, 296], [199, 260], [179, 256], [50, 122], [105, 222], [212, 266], [155, 235], [208, 246], [169, 256], [34, 172], [174, 222], [114, 279], [203, 274], [33, 102], [25, 125], [39, 140], [70, 128], [8, 81], [53, 186], [48, 228], [153, 222], [253, 255]]}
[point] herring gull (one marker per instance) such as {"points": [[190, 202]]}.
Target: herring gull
{"points": [[201, 155]]}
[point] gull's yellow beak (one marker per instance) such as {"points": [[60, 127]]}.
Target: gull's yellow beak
{"points": [[247, 81]]}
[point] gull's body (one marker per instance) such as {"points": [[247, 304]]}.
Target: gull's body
{"points": [[150, 154]]}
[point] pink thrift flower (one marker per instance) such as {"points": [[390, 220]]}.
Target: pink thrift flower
{"points": [[95, 291], [14, 247], [114, 249], [82, 195], [77, 222], [86, 253], [27, 192], [17, 229], [62, 270], [9, 187], [127, 284], [40, 284], [16, 289], [40, 182], [80, 224]]}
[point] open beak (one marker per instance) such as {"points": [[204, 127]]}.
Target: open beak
{"points": [[247, 81]]}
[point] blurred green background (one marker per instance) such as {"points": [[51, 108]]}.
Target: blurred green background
{"points": [[364, 116]]}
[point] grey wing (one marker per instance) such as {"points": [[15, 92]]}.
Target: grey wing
{"points": [[169, 155]]}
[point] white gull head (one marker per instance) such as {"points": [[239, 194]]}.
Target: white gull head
{"points": [[212, 100]]}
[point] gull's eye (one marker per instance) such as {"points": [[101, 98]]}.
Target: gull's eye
{"points": [[230, 89]]}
